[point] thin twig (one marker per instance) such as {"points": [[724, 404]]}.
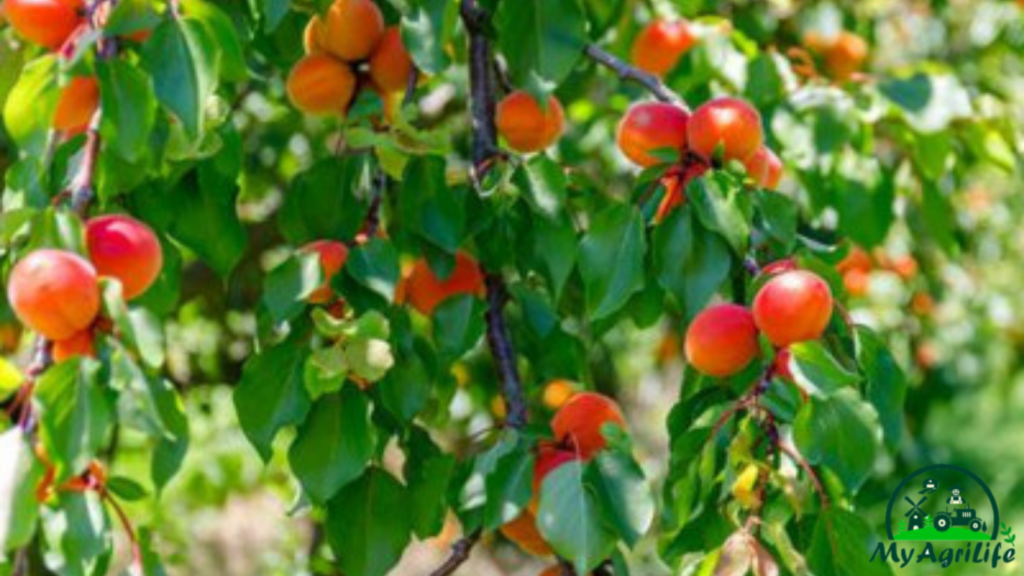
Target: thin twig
{"points": [[796, 457], [460, 553], [633, 74]]}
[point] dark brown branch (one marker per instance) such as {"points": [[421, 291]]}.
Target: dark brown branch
{"points": [[482, 93], [460, 553], [500, 341], [633, 74]]}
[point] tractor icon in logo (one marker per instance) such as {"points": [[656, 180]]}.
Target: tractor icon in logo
{"points": [[950, 517], [965, 516]]}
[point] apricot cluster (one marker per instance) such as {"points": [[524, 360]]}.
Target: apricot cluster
{"points": [[793, 306], [346, 49], [56, 293]]}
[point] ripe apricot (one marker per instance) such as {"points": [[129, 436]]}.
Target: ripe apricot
{"points": [[651, 126], [523, 531], [780, 266], [124, 248], [557, 392], [549, 457], [731, 124], [793, 307], [48, 23], [319, 84], [660, 45], [857, 282], [846, 55], [525, 126], [333, 255], [312, 36], [79, 344], [722, 340], [856, 259], [424, 290], [390, 63], [764, 168], [77, 103], [55, 293], [579, 422], [352, 28]]}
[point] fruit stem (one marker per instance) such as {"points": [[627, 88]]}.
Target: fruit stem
{"points": [[632, 74], [459, 555]]}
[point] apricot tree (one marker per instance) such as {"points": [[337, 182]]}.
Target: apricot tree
{"points": [[415, 203]]}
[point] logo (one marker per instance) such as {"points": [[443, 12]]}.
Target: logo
{"points": [[947, 506]]}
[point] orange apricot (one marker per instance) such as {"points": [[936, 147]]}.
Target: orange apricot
{"points": [[54, 292], [312, 36], [660, 45], [846, 55], [857, 281], [729, 124], [48, 23], [651, 126], [722, 340], [557, 392], [579, 423], [79, 344], [856, 259], [319, 84], [333, 255], [390, 63], [764, 168], [793, 307], [351, 29], [525, 126], [77, 103], [425, 291], [124, 248], [523, 531]]}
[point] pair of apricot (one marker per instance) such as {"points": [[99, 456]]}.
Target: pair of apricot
{"points": [[794, 306], [56, 292]]}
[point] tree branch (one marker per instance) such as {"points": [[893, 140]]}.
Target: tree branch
{"points": [[633, 74], [503, 352], [460, 553]]}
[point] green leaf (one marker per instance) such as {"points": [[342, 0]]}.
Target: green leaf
{"points": [[272, 12], [544, 185], [426, 30], [841, 432], [136, 401], [129, 16], [570, 521], [691, 263], [816, 371], [939, 215], [406, 388], [205, 219], [79, 535], [182, 58], [221, 28], [428, 472], [129, 108], [458, 325], [369, 358], [779, 217], [723, 206], [169, 452], [321, 203], [288, 286], [509, 486], [126, 488], [885, 386], [334, 445], [611, 259], [428, 207], [75, 415], [30, 106], [554, 248], [542, 41], [841, 546], [928, 102], [865, 193], [374, 265], [368, 524], [19, 476], [272, 393], [623, 496]]}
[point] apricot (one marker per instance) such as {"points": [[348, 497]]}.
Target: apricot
{"points": [[425, 291], [579, 422], [845, 56], [793, 307], [729, 124], [557, 392], [319, 84], [55, 293], [351, 29], [781, 364], [675, 189], [856, 259], [312, 36], [77, 103], [79, 344], [660, 45], [523, 531], [390, 63], [722, 340], [764, 168], [650, 126], [122, 247], [780, 266], [549, 457], [857, 282], [48, 23], [333, 255], [525, 126]]}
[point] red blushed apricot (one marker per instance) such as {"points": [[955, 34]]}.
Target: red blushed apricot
{"points": [[661, 44], [764, 168], [390, 63], [731, 124], [793, 307], [780, 266], [722, 340], [122, 247], [425, 291], [579, 422], [80, 344], [77, 104], [351, 29], [332, 258], [48, 23], [525, 126], [650, 126], [523, 531], [319, 84], [845, 56], [55, 293]]}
